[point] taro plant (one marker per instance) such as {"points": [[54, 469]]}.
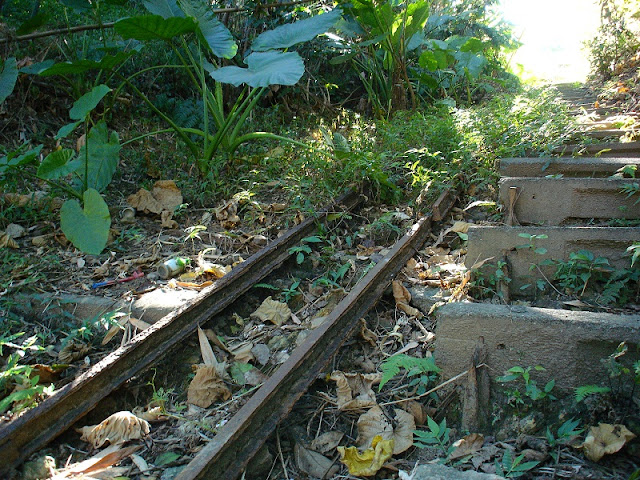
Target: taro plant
{"points": [[202, 45], [85, 218]]}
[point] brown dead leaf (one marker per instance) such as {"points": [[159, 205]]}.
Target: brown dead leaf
{"points": [[242, 352], [117, 428], [467, 445], [167, 193], [73, 350], [7, 241], [144, 201], [208, 357], [98, 463], [313, 463], [277, 207], [375, 422], [207, 387], [47, 374], [228, 210], [417, 410], [139, 324], [273, 311], [327, 441], [403, 297], [354, 389], [367, 335], [605, 439], [115, 329], [166, 217]]}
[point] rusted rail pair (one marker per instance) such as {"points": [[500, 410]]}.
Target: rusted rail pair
{"points": [[235, 444]]}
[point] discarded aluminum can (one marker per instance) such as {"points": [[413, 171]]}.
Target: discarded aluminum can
{"points": [[173, 267]]}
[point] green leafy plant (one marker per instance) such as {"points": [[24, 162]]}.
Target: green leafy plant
{"points": [[585, 391], [286, 294], [531, 243], [582, 268], [201, 44], [422, 368], [437, 436], [531, 390], [301, 250], [510, 467], [566, 433]]}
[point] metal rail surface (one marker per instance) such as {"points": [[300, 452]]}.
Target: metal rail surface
{"points": [[227, 455], [30, 432]]}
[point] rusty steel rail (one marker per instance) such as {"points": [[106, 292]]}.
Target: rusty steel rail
{"points": [[30, 432], [227, 455]]}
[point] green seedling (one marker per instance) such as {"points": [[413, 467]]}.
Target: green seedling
{"points": [[531, 389], [436, 436], [301, 250], [513, 468], [531, 245], [566, 433]]}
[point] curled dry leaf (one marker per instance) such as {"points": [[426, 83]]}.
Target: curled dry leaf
{"points": [[207, 387], [144, 201], [367, 463], [152, 414], [467, 445], [375, 423], [242, 352], [227, 211], [605, 439], [273, 311], [403, 297], [354, 389], [73, 350], [7, 241], [167, 221], [367, 335], [117, 428], [167, 193], [208, 357], [417, 410]]}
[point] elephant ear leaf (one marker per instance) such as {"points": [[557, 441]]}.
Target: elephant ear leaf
{"points": [[291, 34], [8, 77], [87, 226], [103, 157], [154, 27], [264, 69], [164, 8], [83, 106], [214, 33]]}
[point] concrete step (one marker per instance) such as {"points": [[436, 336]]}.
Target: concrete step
{"points": [[609, 133], [500, 243], [567, 166], [608, 149], [568, 344], [554, 201]]}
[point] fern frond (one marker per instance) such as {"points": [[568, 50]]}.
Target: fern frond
{"points": [[586, 390], [414, 365]]}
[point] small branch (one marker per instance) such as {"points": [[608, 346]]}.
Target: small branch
{"points": [[434, 389], [84, 28]]}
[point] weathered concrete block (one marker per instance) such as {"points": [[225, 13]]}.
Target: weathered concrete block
{"points": [[611, 149], [552, 201], [500, 243], [568, 344], [567, 166]]}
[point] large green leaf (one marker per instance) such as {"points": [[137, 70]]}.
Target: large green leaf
{"points": [[8, 77], [108, 62], [33, 23], [291, 34], [16, 159], [87, 228], [265, 68], [65, 130], [104, 155], [164, 8], [214, 33], [86, 103], [154, 27], [38, 67], [58, 164]]}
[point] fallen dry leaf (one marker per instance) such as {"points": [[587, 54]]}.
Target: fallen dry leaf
{"points": [[144, 201], [327, 441], [605, 439], [367, 335], [467, 445], [313, 463], [207, 387], [354, 389], [208, 357], [99, 462], [167, 193], [73, 350], [367, 463], [117, 428], [403, 297], [242, 352], [417, 410], [167, 221], [7, 241], [375, 423], [273, 311]]}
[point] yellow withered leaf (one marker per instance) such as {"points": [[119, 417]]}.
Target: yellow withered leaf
{"points": [[367, 463]]}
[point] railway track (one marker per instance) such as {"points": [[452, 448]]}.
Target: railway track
{"points": [[245, 433]]}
